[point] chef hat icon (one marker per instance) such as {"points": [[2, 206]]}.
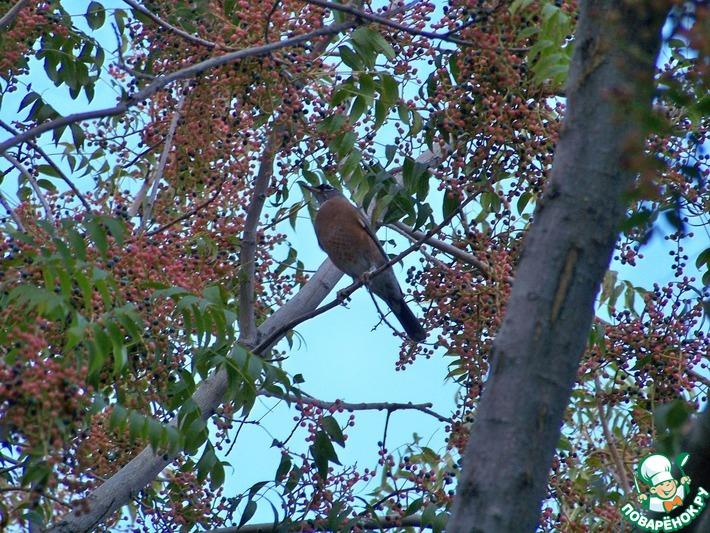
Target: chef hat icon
{"points": [[655, 469]]}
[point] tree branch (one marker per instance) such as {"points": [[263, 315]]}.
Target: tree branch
{"points": [[536, 353], [157, 175], [11, 212], [384, 522], [445, 247], [160, 22], [247, 252], [33, 183], [143, 468], [162, 81], [618, 463], [9, 17], [358, 406], [266, 342], [189, 213], [384, 21], [52, 164]]}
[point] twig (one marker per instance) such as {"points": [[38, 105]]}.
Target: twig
{"points": [[347, 291], [618, 463], [33, 183], [358, 406], [9, 17], [268, 20], [162, 81], [35, 492], [160, 22], [445, 247], [384, 432], [247, 252], [142, 154], [51, 163], [383, 522], [157, 176], [189, 213], [372, 17], [11, 212], [383, 318]]}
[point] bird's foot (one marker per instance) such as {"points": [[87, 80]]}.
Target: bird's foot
{"points": [[367, 276], [342, 295]]}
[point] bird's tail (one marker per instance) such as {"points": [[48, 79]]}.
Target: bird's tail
{"points": [[409, 322]]}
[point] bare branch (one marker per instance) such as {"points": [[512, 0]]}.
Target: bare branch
{"points": [[9, 17], [358, 406], [247, 252], [162, 81], [191, 212], [11, 212], [160, 22], [157, 176], [33, 183], [618, 463], [445, 247], [379, 19], [52, 164], [384, 522]]}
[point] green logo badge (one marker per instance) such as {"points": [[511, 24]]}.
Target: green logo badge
{"points": [[665, 494]]}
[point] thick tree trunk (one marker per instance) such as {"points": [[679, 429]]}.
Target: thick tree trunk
{"points": [[697, 444], [538, 349]]}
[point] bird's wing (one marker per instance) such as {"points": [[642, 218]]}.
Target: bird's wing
{"points": [[366, 225]]}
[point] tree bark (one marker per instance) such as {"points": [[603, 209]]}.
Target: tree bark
{"points": [[566, 253], [697, 444]]}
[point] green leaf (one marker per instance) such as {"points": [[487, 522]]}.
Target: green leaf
{"points": [[283, 468], [350, 57], [46, 184], [332, 427], [323, 452], [703, 258], [358, 108], [96, 360], [136, 425], [381, 112], [389, 89], [94, 229], [217, 476], [369, 38], [249, 511], [206, 462], [450, 203], [118, 416], [28, 99], [414, 507], [95, 15]]}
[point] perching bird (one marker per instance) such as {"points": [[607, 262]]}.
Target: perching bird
{"points": [[345, 235]]}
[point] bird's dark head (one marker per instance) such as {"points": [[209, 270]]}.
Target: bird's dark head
{"points": [[322, 192]]}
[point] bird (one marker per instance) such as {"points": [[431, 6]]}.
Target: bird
{"points": [[346, 237]]}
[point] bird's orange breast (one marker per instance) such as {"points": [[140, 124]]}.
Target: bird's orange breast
{"points": [[342, 236]]}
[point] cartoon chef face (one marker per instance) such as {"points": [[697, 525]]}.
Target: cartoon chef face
{"points": [[665, 489], [656, 472]]}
